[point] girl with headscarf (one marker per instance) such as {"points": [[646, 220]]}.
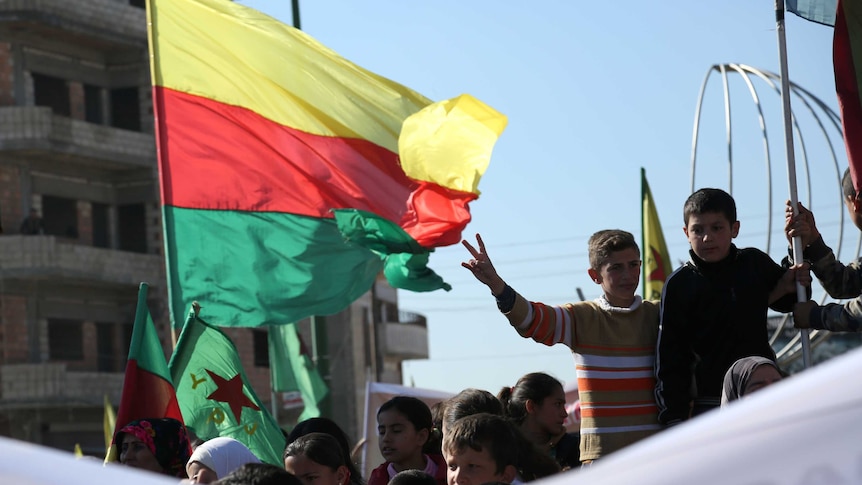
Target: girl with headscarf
{"points": [[747, 375], [216, 458], [160, 445]]}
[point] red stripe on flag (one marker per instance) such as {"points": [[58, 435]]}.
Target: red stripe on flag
{"points": [[215, 156], [146, 395]]}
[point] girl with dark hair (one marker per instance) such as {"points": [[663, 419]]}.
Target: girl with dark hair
{"points": [[330, 427], [317, 459], [536, 404], [404, 425]]}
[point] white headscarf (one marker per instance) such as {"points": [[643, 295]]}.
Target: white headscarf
{"points": [[222, 455]]}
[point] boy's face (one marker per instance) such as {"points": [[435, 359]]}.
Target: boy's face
{"points": [[619, 277], [710, 235], [470, 467]]}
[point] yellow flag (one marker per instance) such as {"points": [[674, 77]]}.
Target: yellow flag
{"points": [[78, 452], [657, 265], [109, 422]]}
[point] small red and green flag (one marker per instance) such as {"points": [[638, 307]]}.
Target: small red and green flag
{"points": [[291, 177], [147, 388], [214, 393]]}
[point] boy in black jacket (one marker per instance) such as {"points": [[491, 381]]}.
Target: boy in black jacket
{"points": [[714, 308]]}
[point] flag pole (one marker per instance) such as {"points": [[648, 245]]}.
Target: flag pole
{"points": [[801, 295], [272, 395]]}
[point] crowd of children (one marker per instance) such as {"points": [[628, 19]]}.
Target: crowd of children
{"points": [[642, 366]]}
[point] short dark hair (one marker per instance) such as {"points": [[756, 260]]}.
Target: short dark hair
{"points": [[847, 185], [603, 243], [470, 401], [484, 431], [259, 474], [412, 477], [710, 200]]}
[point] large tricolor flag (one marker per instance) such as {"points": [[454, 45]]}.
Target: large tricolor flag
{"points": [[147, 388], [291, 177], [657, 266]]}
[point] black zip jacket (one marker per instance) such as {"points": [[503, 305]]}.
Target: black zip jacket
{"points": [[711, 315]]}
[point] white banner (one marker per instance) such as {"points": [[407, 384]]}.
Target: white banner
{"points": [[806, 429]]}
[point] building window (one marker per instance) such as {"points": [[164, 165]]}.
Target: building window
{"points": [[138, 3], [52, 92], [93, 104], [125, 109], [132, 230], [65, 339], [261, 348], [60, 216]]}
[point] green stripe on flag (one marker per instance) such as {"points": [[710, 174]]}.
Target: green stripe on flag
{"points": [[262, 268]]}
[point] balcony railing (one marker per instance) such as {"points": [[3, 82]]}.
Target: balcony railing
{"points": [[108, 21], [40, 257], [34, 384], [406, 339], [36, 133]]}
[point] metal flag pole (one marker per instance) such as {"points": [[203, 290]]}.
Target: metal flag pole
{"points": [[801, 295]]}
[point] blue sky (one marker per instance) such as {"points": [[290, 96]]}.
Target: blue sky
{"points": [[593, 92]]}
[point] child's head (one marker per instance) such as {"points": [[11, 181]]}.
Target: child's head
{"points": [[317, 459], [854, 205], [403, 425], [710, 223], [480, 448], [537, 402], [615, 264], [412, 477], [330, 427], [467, 402]]}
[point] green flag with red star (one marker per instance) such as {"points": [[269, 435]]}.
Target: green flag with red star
{"points": [[214, 394]]}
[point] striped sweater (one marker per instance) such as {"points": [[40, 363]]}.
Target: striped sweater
{"points": [[614, 350]]}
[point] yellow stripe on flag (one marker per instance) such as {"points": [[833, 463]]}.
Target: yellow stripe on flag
{"points": [[450, 142], [233, 54]]}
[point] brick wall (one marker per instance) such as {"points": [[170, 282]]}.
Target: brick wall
{"points": [[259, 376], [11, 212], [85, 222], [13, 332], [76, 100], [7, 93]]}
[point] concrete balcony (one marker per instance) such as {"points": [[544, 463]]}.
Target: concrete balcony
{"points": [[29, 258], [39, 136], [107, 26], [405, 339], [48, 384]]}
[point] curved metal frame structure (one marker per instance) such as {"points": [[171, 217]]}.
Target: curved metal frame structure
{"points": [[792, 350]]}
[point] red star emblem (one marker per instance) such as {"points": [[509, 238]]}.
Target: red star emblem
{"points": [[230, 392]]}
